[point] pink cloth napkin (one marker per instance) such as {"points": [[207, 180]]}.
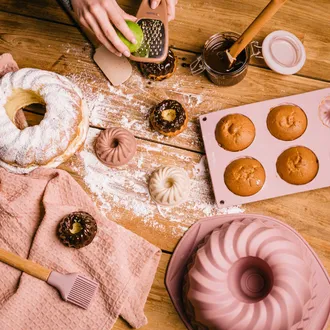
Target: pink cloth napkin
{"points": [[123, 263]]}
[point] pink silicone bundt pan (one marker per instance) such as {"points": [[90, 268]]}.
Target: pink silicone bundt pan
{"points": [[115, 146], [247, 272]]}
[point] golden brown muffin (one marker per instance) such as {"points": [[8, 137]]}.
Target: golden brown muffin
{"points": [[235, 132], [244, 176], [169, 118], [297, 165], [287, 122]]}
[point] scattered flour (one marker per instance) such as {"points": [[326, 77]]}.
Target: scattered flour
{"points": [[109, 105], [122, 193]]}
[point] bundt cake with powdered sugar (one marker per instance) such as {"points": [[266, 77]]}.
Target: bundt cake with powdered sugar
{"points": [[247, 275], [62, 130]]}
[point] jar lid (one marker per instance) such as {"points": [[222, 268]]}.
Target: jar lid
{"points": [[283, 52]]}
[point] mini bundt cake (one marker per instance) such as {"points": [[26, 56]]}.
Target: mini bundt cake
{"points": [[160, 71], [115, 146], [247, 275], [77, 229], [169, 186], [169, 118]]}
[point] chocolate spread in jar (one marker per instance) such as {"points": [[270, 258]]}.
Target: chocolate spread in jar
{"points": [[216, 58]]}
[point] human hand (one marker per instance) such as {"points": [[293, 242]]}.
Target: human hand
{"points": [[170, 7], [102, 17]]}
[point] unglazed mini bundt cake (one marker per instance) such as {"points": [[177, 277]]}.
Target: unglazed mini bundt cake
{"points": [[248, 275], [235, 132], [115, 146], [287, 122], [169, 186], [169, 118], [58, 136], [297, 165], [160, 71]]}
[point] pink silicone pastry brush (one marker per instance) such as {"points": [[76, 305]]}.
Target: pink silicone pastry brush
{"points": [[73, 288]]}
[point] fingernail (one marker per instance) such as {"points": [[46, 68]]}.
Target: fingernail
{"points": [[153, 4], [127, 53], [134, 41]]}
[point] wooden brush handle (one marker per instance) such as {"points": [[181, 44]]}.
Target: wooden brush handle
{"points": [[24, 265], [255, 27]]}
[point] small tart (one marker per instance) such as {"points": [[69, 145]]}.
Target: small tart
{"points": [[169, 118], [77, 229], [160, 71], [115, 146], [244, 176], [287, 122], [297, 165], [235, 132]]}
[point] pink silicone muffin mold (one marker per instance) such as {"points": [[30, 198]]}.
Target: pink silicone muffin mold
{"points": [[115, 146], [266, 148], [247, 272]]}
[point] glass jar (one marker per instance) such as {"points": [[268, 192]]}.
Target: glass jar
{"points": [[219, 78]]}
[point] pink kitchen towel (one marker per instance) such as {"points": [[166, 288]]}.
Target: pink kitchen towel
{"points": [[123, 263]]}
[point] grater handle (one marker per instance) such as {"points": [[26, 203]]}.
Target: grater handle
{"points": [[160, 12]]}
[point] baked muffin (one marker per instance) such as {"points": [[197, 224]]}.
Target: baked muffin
{"points": [[169, 118], [297, 165], [287, 122], [235, 132], [244, 176], [160, 71]]}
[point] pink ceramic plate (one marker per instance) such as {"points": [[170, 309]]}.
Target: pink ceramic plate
{"points": [[312, 316], [266, 148]]}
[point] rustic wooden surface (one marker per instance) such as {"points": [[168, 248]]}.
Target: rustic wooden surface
{"points": [[39, 34]]}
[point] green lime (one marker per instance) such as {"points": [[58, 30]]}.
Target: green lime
{"points": [[138, 34], [143, 51]]}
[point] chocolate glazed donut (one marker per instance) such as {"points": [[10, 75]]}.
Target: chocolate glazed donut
{"points": [[77, 229], [160, 71], [169, 118]]}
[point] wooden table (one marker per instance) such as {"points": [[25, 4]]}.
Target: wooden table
{"points": [[39, 34]]}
